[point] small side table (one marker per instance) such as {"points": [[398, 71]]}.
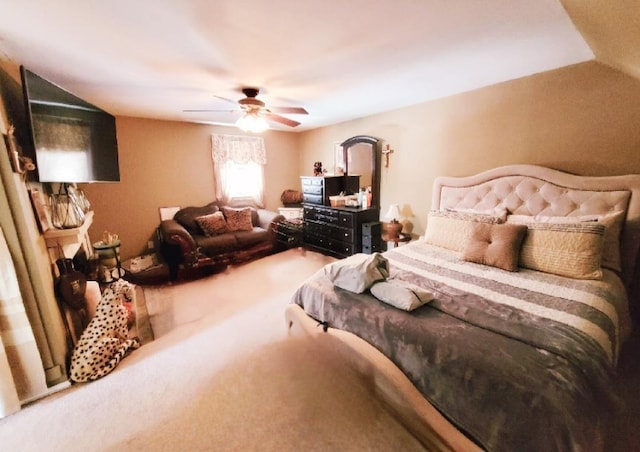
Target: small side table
{"points": [[402, 238], [108, 253], [289, 233]]}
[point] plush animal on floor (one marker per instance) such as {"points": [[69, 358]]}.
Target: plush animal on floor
{"points": [[105, 340]]}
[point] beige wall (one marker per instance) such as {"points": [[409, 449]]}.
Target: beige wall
{"points": [[165, 163], [583, 119]]}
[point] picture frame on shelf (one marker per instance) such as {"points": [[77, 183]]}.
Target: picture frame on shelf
{"points": [[40, 209], [167, 213]]}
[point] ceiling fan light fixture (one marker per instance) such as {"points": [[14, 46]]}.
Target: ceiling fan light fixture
{"points": [[253, 122]]}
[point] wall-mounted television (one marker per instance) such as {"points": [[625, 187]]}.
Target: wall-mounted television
{"points": [[74, 140]]}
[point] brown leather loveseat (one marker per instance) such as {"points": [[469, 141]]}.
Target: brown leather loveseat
{"points": [[216, 236]]}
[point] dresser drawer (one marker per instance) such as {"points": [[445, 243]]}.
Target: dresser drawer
{"points": [[312, 189], [329, 216], [345, 249], [316, 240], [311, 181], [342, 234], [312, 199], [346, 220]]}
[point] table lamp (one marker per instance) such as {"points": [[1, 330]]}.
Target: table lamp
{"points": [[393, 226]]}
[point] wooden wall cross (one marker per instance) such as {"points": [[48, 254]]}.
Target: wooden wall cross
{"points": [[386, 153]]}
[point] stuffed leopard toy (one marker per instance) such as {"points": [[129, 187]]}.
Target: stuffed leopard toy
{"points": [[105, 340]]}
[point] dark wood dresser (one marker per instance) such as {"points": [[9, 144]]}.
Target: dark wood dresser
{"points": [[336, 231], [317, 189]]}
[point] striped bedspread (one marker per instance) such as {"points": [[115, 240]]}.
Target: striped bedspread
{"points": [[518, 361]]}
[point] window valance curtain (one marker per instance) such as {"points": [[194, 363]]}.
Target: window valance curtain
{"points": [[239, 149]]}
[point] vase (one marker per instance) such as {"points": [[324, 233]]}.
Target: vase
{"points": [[65, 212]]}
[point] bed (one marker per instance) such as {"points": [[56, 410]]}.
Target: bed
{"points": [[502, 358]]}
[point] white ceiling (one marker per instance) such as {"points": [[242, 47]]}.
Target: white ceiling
{"points": [[340, 59]]}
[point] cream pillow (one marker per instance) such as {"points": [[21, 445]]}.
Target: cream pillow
{"points": [[451, 230], [498, 212], [573, 249], [400, 294], [611, 242]]}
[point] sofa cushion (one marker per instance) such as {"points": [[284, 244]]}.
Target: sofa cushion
{"points": [[187, 216], [218, 244], [238, 219], [247, 239], [213, 224]]}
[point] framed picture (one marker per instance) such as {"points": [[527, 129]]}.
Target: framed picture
{"points": [[167, 213], [40, 209]]}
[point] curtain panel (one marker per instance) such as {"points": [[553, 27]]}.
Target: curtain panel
{"points": [[230, 150], [21, 371]]}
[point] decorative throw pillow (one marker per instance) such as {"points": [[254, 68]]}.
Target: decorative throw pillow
{"points": [[357, 272], [497, 245], [238, 219], [451, 230], [187, 216], [572, 250], [496, 212], [212, 224], [611, 242], [400, 294]]}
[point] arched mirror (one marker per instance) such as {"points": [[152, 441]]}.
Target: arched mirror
{"points": [[361, 156]]}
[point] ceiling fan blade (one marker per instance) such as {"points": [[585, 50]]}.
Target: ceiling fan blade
{"points": [[225, 99], [282, 120], [289, 110], [210, 111]]}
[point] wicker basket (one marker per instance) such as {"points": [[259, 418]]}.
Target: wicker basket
{"points": [[337, 201]]}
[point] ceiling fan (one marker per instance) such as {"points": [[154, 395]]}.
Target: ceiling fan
{"points": [[254, 108]]}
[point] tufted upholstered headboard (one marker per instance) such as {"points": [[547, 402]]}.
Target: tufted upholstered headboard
{"points": [[532, 190]]}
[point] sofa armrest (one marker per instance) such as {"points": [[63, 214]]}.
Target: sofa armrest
{"points": [[268, 218], [173, 233]]}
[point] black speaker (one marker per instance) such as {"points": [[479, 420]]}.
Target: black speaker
{"points": [[371, 240], [372, 228], [372, 249]]}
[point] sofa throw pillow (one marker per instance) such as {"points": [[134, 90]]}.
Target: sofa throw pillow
{"points": [[212, 224], [573, 250], [238, 219], [187, 217], [497, 245]]}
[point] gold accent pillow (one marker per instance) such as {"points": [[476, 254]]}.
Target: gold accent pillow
{"points": [[497, 245], [238, 219], [611, 242], [212, 224], [573, 249], [451, 230]]}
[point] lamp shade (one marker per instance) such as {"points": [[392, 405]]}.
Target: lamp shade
{"points": [[252, 122], [393, 213]]}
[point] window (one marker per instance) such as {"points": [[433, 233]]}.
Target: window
{"points": [[238, 163], [243, 180]]}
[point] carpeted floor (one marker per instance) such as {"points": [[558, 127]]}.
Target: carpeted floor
{"points": [[221, 374]]}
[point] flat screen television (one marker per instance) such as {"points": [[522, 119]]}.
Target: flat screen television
{"points": [[74, 141]]}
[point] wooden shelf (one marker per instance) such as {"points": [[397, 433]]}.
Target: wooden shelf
{"points": [[70, 240]]}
